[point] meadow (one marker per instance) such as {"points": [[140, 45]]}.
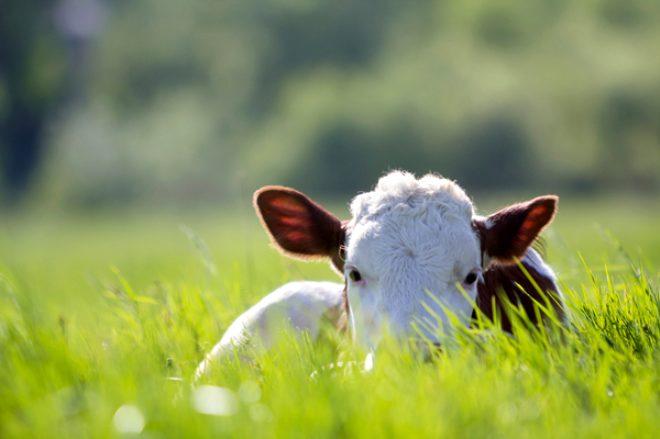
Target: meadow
{"points": [[104, 317]]}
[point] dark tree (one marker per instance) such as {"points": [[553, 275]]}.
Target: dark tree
{"points": [[32, 73]]}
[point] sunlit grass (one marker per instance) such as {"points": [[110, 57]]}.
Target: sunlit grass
{"points": [[103, 321]]}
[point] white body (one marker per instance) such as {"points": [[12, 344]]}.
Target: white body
{"points": [[298, 305]]}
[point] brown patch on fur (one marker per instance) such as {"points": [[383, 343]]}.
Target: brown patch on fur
{"points": [[337, 317], [503, 283], [342, 323], [298, 226]]}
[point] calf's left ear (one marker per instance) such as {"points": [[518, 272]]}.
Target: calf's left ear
{"points": [[508, 233]]}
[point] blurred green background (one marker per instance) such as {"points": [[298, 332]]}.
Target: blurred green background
{"points": [[133, 132], [166, 102]]}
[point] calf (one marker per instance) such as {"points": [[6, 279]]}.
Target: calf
{"points": [[407, 238]]}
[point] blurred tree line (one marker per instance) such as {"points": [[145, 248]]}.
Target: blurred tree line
{"points": [[31, 64], [207, 99]]}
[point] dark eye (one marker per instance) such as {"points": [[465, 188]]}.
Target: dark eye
{"points": [[355, 275], [470, 278]]}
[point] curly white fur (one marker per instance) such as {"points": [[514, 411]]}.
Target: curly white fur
{"points": [[400, 190], [410, 238]]}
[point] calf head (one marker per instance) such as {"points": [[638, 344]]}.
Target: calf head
{"points": [[407, 239]]}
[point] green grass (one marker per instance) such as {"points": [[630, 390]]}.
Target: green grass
{"points": [[102, 311]]}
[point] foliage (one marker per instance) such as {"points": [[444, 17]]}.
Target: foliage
{"points": [[33, 75], [191, 101]]}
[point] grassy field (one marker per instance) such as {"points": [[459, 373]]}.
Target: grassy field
{"points": [[104, 317]]}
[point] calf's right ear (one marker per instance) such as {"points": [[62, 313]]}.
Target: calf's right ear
{"points": [[298, 226], [508, 233]]}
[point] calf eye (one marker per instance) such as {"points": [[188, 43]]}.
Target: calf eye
{"points": [[470, 278], [355, 276]]}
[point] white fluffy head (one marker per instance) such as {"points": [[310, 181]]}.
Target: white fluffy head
{"points": [[400, 190], [409, 238]]}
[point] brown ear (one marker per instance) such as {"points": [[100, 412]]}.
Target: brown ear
{"points": [[506, 234], [297, 225]]}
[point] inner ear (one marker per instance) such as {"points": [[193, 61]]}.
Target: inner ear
{"points": [[297, 225], [508, 233]]}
